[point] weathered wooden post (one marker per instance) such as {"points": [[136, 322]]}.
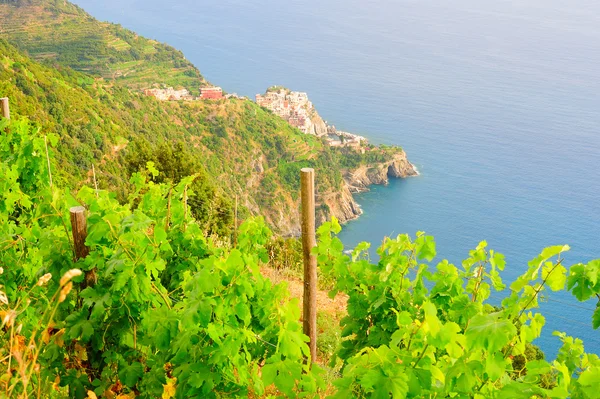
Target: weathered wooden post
{"points": [[309, 315], [5, 107], [79, 225]]}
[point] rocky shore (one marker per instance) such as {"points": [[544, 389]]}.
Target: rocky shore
{"points": [[360, 179], [343, 206], [296, 109]]}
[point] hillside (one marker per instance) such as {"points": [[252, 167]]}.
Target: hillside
{"points": [[243, 149], [58, 32]]}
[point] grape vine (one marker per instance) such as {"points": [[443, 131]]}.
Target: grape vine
{"points": [[157, 310]]}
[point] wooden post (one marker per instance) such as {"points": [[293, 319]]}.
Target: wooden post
{"points": [[309, 315], [79, 225], [5, 107]]}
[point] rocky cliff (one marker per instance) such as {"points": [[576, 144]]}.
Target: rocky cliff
{"points": [[318, 127], [360, 179], [339, 203]]}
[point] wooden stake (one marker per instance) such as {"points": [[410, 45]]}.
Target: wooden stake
{"points": [[309, 316], [79, 225], [5, 107]]}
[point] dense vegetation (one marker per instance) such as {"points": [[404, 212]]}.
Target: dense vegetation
{"points": [[241, 149], [155, 308], [59, 32], [418, 330], [158, 310]]}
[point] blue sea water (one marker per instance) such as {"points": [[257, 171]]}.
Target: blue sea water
{"points": [[496, 102]]}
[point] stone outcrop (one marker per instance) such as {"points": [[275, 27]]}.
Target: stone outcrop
{"points": [[360, 179], [340, 204], [318, 127]]}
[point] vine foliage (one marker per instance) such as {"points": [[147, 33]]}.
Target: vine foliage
{"points": [[414, 330], [157, 310]]}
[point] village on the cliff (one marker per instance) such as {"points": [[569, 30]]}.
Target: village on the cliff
{"points": [[292, 106]]}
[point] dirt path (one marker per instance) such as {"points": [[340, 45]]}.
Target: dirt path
{"points": [[334, 306]]}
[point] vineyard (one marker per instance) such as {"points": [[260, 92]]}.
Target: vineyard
{"points": [[159, 310], [61, 32]]}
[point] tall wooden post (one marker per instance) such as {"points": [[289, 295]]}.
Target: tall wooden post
{"points": [[309, 316], [5, 107], [79, 225]]}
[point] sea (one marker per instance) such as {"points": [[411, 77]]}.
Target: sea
{"points": [[496, 102]]}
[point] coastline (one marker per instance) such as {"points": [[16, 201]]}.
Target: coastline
{"points": [[343, 205], [367, 164]]}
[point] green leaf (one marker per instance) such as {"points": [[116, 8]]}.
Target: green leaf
{"points": [[596, 318], [555, 276], [490, 331], [591, 376], [269, 373], [151, 168], [495, 365], [155, 267], [79, 327], [538, 367], [160, 234], [425, 248], [403, 319], [578, 283], [204, 312], [52, 139], [546, 254], [131, 374]]}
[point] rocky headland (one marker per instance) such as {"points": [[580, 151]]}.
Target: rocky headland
{"points": [[372, 164], [343, 205], [341, 202], [359, 179]]}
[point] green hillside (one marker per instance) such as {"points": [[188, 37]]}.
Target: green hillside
{"points": [[61, 32], [244, 150]]}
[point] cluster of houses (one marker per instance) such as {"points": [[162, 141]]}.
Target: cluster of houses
{"points": [[293, 106], [338, 138], [170, 94], [296, 108]]}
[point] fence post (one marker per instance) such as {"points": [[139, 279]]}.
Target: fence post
{"points": [[5, 107], [309, 315], [79, 225]]}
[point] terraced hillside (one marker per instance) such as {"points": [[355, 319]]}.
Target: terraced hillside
{"points": [[61, 32]]}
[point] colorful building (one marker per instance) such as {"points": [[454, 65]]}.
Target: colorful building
{"points": [[211, 93]]}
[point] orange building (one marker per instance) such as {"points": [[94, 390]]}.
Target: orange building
{"points": [[211, 93]]}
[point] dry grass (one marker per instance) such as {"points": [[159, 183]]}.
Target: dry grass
{"points": [[334, 306]]}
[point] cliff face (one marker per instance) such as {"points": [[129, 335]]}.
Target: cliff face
{"points": [[360, 179], [341, 203], [318, 126]]}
